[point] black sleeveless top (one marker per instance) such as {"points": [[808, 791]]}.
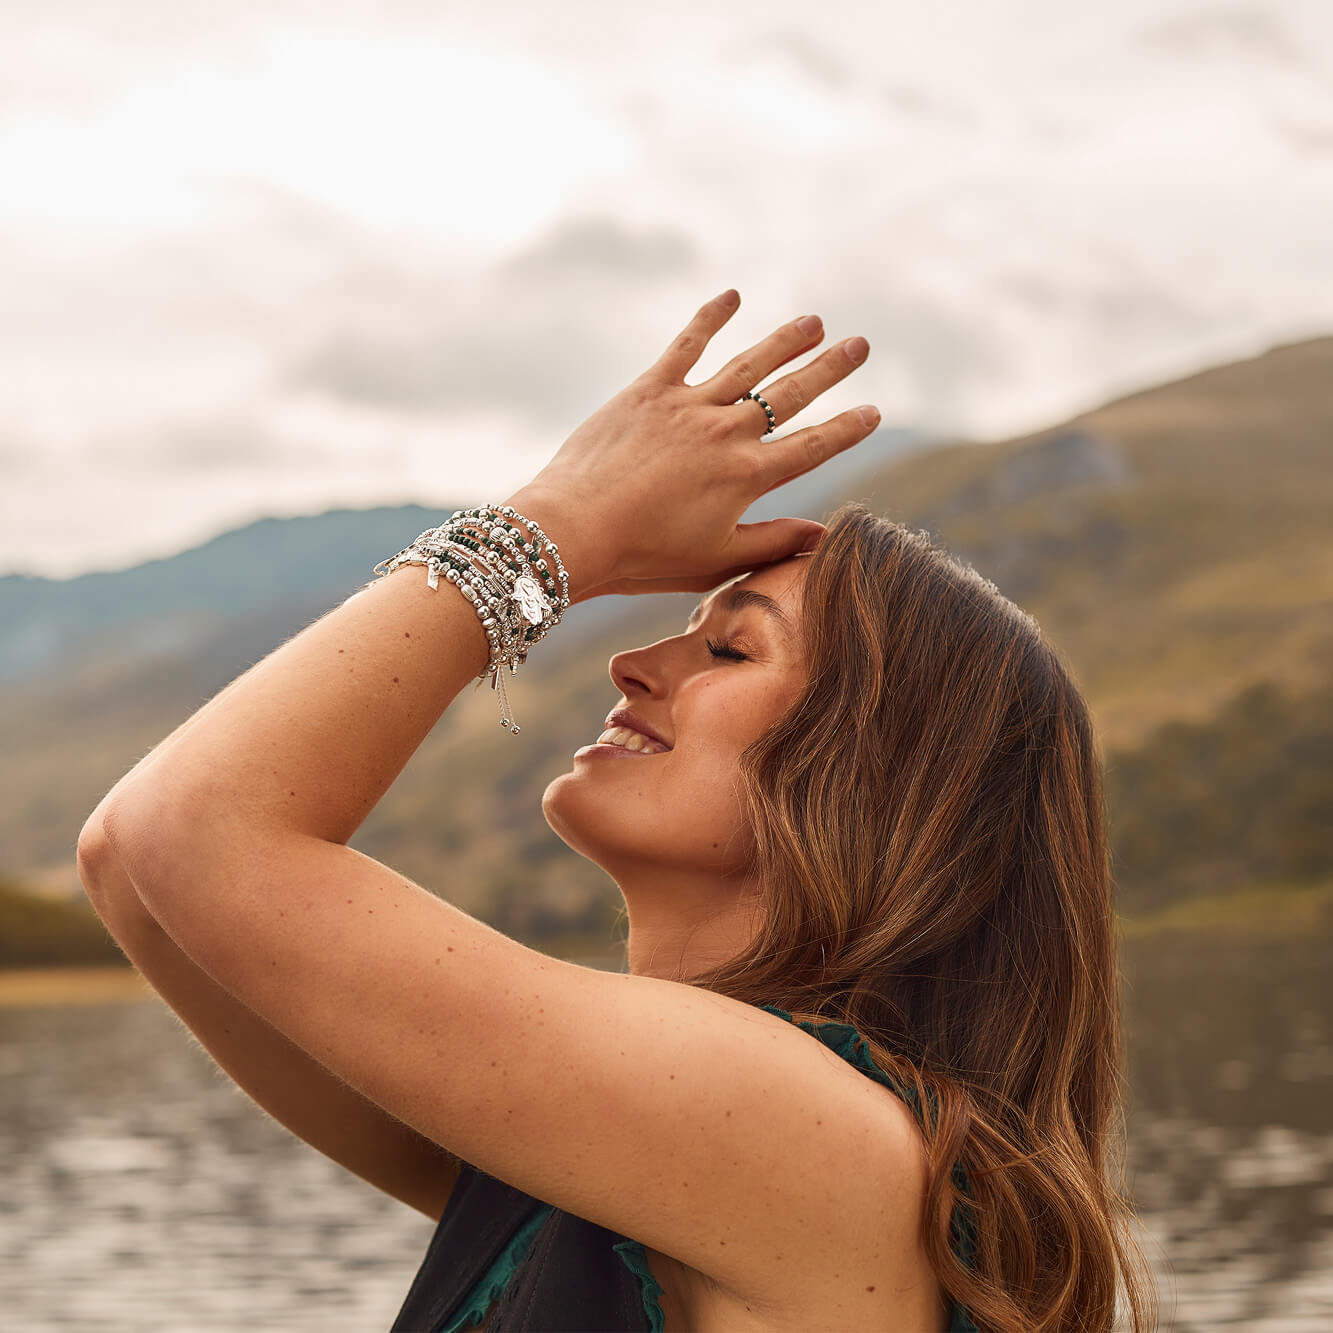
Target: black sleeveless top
{"points": [[558, 1273]]}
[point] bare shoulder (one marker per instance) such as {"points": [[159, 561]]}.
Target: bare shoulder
{"points": [[869, 1209], [850, 1252]]}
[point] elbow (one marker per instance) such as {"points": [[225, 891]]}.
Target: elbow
{"points": [[110, 846], [111, 892], [139, 842], [96, 861], [115, 834]]}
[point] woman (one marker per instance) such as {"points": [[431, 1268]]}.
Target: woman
{"points": [[862, 1070]]}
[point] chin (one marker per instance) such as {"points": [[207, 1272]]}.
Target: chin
{"points": [[592, 822]]}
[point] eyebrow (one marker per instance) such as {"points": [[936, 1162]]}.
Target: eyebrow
{"points": [[737, 599]]}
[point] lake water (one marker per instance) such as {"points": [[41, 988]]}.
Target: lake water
{"points": [[145, 1192], [1231, 1132]]}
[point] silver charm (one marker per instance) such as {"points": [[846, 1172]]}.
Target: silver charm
{"points": [[531, 603]]}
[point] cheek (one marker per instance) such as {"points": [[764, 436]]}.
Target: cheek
{"points": [[726, 715], [720, 723], [726, 708]]}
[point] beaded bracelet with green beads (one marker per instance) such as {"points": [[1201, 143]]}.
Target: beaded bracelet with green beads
{"points": [[516, 561], [510, 551], [500, 553], [506, 555], [503, 561], [511, 540]]}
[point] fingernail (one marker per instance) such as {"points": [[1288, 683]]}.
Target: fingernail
{"points": [[870, 415], [857, 349], [809, 325], [730, 297]]}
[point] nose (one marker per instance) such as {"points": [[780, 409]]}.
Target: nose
{"points": [[629, 672], [641, 670]]}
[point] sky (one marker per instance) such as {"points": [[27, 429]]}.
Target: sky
{"points": [[276, 258]]}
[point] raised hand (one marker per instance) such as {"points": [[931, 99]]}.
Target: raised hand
{"points": [[655, 482]]}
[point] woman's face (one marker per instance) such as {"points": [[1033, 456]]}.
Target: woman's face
{"points": [[674, 819]]}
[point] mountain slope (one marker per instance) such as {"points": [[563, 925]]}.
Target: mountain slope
{"points": [[1176, 544]]}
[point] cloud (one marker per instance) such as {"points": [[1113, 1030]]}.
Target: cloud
{"points": [[1249, 30], [1314, 140], [230, 442], [224, 270], [812, 58], [19, 458], [601, 247], [67, 58], [531, 336], [919, 103]]}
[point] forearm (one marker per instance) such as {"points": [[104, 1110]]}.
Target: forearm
{"points": [[308, 740], [289, 1084]]}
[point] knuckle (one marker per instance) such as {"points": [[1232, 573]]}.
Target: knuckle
{"points": [[749, 464], [743, 370], [720, 426], [646, 392], [796, 397], [813, 443], [687, 344]]}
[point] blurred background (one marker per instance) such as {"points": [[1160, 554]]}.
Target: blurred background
{"points": [[281, 285]]}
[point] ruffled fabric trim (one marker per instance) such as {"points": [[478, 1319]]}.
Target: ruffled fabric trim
{"points": [[497, 1276], [844, 1040], [631, 1252]]}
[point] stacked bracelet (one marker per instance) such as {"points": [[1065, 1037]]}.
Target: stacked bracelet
{"points": [[494, 563]]}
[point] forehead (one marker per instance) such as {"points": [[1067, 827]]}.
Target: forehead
{"points": [[774, 591]]}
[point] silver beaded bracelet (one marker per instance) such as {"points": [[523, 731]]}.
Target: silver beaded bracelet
{"points": [[498, 570]]}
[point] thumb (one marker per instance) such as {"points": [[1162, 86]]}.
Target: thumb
{"points": [[776, 539]]}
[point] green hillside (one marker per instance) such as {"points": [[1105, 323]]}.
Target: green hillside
{"points": [[1174, 544], [1213, 807]]}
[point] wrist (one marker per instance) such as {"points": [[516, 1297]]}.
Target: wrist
{"points": [[573, 534]]}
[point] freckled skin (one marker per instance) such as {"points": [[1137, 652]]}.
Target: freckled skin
{"points": [[668, 828]]}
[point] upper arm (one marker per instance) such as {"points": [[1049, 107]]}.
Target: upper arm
{"points": [[698, 1125]]}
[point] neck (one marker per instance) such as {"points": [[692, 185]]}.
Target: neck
{"points": [[678, 931]]}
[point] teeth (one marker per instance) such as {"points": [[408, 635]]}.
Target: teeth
{"points": [[630, 740]]}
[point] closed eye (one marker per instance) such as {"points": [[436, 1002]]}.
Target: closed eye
{"points": [[726, 650]]}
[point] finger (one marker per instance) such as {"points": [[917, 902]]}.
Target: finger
{"points": [[766, 543], [787, 536], [680, 583], [688, 346], [744, 372], [798, 390], [804, 450]]}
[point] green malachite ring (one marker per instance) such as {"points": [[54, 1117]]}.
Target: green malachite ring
{"points": [[768, 411]]}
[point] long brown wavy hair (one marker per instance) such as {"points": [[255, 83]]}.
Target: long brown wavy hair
{"points": [[930, 832]]}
